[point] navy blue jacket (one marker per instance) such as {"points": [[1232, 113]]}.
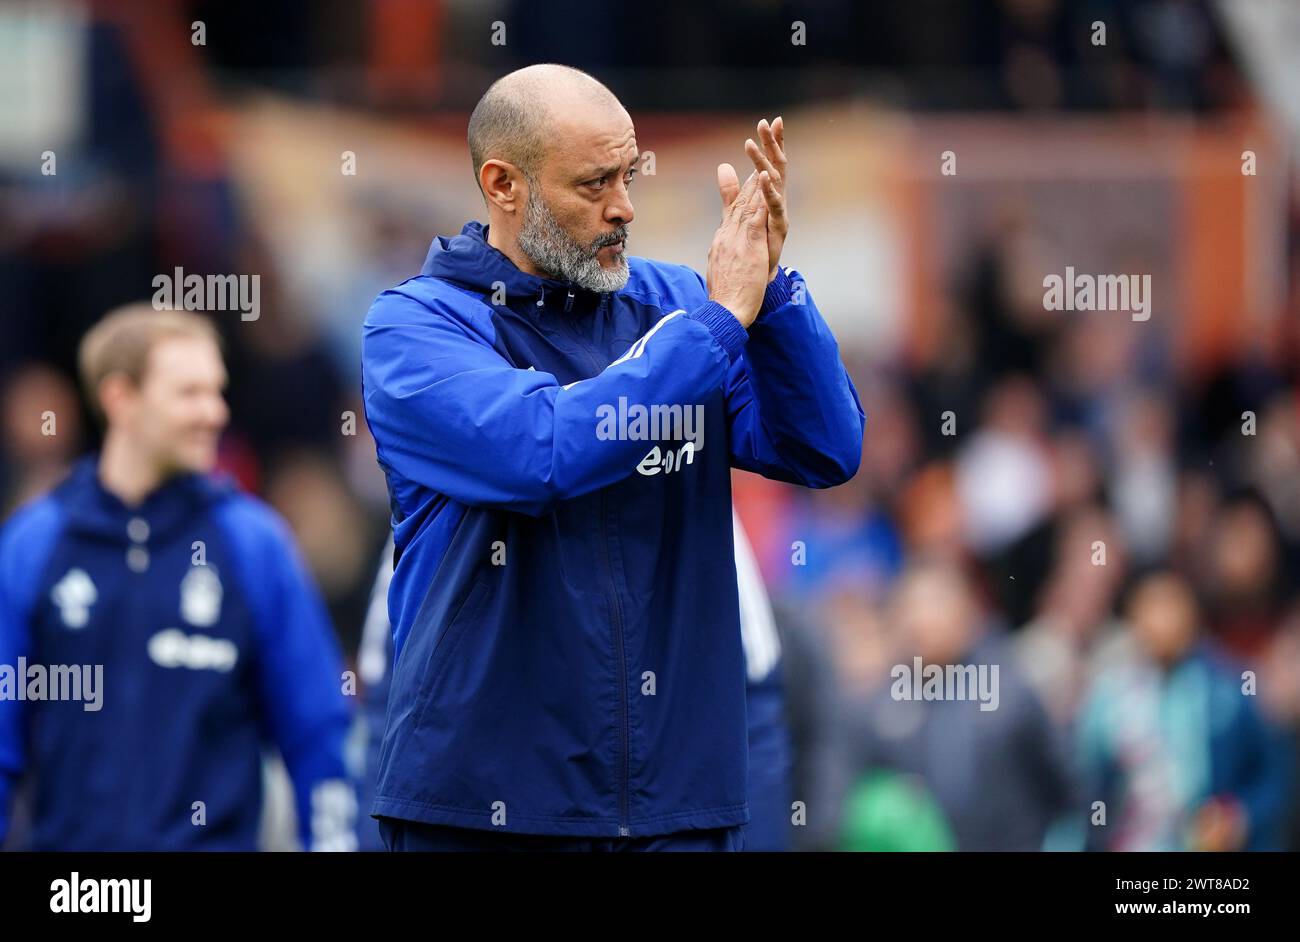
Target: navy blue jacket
{"points": [[213, 641], [769, 739], [567, 642]]}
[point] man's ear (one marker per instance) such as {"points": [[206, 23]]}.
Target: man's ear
{"points": [[503, 185], [115, 391]]}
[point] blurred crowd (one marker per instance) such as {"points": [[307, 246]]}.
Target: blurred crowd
{"points": [[1121, 541], [987, 54], [1049, 493]]}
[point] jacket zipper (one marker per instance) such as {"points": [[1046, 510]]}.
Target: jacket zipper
{"points": [[623, 829], [616, 608]]}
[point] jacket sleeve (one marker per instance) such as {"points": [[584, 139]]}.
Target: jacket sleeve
{"points": [[794, 413], [299, 670], [25, 546], [451, 413], [13, 645]]}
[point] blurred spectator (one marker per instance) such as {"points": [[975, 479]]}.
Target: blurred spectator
{"points": [[1273, 469], [1172, 743], [998, 775], [1006, 487], [1074, 630], [40, 433], [1241, 576], [1143, 477]]}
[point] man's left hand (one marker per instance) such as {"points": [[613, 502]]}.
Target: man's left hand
{"points": [[770, 160]]}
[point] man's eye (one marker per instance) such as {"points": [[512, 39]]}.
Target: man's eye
{"points": [[600, 184]]}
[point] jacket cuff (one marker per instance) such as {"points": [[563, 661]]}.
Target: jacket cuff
{"points": [[724, 327], [779, 292]]}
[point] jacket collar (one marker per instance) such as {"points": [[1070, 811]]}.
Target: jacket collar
{"points": [[173, 505], [469, 261]]}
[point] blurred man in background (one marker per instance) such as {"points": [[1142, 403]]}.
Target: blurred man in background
{"points": [[186, 602], [1173, 743], [998, 776]]}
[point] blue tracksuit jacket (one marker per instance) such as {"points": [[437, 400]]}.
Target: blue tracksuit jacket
{"points": [[769, 738], [566, 626], [201, 664]]}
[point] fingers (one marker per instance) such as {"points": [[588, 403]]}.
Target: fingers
{"points": [[774, 202], [728, 186], [761, 162], [772, 137], [778, 139], [743, 205], [768, 157]]}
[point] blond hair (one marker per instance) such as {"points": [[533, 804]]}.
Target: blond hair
{"points": [[121, 341]]}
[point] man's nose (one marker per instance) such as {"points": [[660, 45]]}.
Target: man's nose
{"points": [[619, 211], [218, 413]]}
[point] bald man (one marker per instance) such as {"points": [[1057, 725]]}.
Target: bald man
{"points": [[557, 422]]}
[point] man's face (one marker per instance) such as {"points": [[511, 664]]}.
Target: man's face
{"points": [[575, 222], [933, 610], [176, 415], [1163, 613]]}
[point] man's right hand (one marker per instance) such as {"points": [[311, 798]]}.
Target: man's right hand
{"points": [[738, 257]]}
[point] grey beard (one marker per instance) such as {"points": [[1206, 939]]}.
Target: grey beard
{"points": [[555, 252]]}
